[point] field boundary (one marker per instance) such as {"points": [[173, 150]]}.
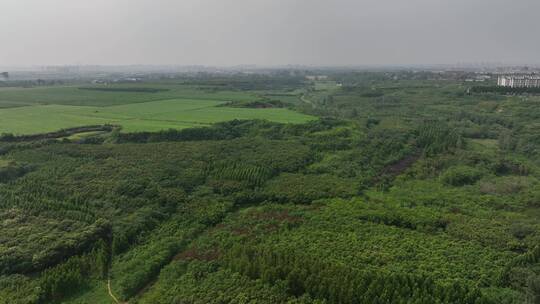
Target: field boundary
{"points": [[56, 134]]}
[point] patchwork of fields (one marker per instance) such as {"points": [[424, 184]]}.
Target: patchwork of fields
{"points": [[27, 111]]}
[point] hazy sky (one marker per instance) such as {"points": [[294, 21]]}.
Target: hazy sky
{"points": [[268, 32]]}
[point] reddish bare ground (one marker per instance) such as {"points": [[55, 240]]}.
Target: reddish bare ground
{"points": [[400, 166], [269, 221], [195, 253], [240, 231], [279, 216]]}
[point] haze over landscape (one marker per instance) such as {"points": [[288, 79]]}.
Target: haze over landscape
{"points": [[269, 152], [267, 32]]}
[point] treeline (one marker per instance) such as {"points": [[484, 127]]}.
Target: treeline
{"points": [[18, 263], [191, 134], [484, 119], [279, 80], [257, 104], [306, 188], [230, 130], [33, 83], [252, 175], [205, 282], [9, 147], [504, 90], [66, 278], [527, 259], [338, 283], [55, 283], [13, 170], [405, 218], [8, 137], [482, 125], [131, 89], [136, 268], [437, 137]]}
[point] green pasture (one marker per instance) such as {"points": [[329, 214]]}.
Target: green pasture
{"points": [[73, 95], [147, 116]]}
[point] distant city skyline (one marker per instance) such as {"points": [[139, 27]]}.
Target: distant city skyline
{"points": [[268, 32]]}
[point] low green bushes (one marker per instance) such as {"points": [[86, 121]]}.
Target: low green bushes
{"points": [[461, 176]]}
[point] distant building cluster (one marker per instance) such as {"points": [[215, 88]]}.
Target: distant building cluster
{"points": [[519, 81]]}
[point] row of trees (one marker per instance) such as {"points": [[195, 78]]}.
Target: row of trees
{"points": [[436, 137], [528, 258], [338, 283], [16, 262], [13, 170], [253, 175], [8, 137], [65, 278], [504, 90]]}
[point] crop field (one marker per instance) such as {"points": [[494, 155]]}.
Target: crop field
{"points": [[28, 111], [106, 96]]}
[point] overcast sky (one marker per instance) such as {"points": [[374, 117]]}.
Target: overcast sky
{"points": [[268, 32]]}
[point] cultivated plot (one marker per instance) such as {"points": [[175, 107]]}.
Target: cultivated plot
{"points": [[147, 116]]}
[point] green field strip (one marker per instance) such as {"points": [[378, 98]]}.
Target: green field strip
{"points": [[147, 116]]}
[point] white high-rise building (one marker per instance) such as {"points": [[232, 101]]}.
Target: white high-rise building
{"points": [[519, 81]]}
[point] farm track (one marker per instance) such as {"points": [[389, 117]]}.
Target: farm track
{"points": [[109, 290], [304, 99]]}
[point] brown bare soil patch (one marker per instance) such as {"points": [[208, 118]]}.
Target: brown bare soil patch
{"points": [[195, 253]]}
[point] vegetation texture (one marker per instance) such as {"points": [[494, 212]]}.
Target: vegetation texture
{"points": [[407, 188]]}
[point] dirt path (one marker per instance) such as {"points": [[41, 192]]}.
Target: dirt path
{"points": [[110, 292], [304, 99]]}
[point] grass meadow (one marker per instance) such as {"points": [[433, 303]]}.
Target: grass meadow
{"points": [[29, 111], [79, 96]]}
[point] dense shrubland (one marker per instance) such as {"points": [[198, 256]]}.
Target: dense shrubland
{"points": [[12, 170], [337, 283]]}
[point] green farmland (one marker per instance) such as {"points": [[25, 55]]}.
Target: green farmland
{"points": [[28, 111], [105, 96]]}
